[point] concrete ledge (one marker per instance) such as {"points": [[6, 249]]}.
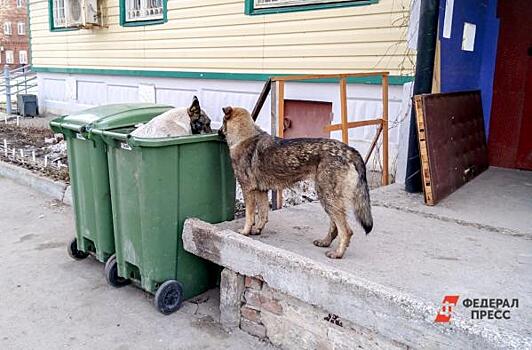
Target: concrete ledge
{"points": [[390, 313], [55, 189]]}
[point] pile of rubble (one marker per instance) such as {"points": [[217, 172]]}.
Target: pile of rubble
{"points": [[57, 149], [36, 149], [299, 193]]}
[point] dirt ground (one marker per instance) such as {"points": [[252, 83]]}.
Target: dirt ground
{"points": [[33, 139]]}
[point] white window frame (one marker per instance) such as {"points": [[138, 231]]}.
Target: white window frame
{"points": [[59, 13], [8, 30], [23, 57], [143, 10], [10, 57], [20, 3], [267, 4], [21, 25]]}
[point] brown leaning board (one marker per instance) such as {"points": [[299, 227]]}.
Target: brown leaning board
{"points": [[452, 142]]}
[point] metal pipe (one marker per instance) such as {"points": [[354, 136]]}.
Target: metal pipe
{"points": [[426, 49], [7, 89]]}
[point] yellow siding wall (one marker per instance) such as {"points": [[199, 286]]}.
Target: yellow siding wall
{"points": [[216, 36]]}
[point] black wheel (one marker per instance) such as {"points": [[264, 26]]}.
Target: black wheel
{"points": [[169, 297], [73, 251], [111, 273]]}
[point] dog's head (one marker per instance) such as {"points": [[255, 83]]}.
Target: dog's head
{"points": [[237, 125], [200, 123]]}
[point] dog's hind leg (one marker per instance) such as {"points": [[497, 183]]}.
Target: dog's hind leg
{"points": [[345, 233], [250, 203], [261, 199], [331, 235], [324, 185], [334, 205]]}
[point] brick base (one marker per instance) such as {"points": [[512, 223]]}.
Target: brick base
{"points": [[290, 323]]}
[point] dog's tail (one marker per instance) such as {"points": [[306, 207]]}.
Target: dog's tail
{"points": [[361, 198]]}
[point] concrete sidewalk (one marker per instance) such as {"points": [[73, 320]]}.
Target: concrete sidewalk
{"points": [[49, 301], [498, 200]]}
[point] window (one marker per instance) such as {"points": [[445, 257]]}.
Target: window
{"points": [[282, 3], [9, 57], [23, 57], [57, 14], [21, 28], [20, 3], [142, 12], [259, 7], [7, 28]]}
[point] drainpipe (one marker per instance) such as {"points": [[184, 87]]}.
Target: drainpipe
{"points": [[426, 48]]}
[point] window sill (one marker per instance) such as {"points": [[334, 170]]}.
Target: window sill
{"points": [[148, 22], [63, 29]]}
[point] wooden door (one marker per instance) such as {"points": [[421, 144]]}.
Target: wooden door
{"points": [[524, 150], [510, 134], [306, 118]]}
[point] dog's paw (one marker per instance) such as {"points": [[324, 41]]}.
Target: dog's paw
{"points": [[321, 243], [245, 231], [333, 254], [255, 231]]}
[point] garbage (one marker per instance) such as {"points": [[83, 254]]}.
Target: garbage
{"points": [[155, 185], [89, 171]]}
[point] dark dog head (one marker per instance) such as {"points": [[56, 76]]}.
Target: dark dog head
{"points": [[200, 123]]}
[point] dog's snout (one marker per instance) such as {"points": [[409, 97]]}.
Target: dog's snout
{"points": [[221, 133]]}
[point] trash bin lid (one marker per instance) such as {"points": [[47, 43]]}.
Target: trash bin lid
{"points": [[113, 116]]}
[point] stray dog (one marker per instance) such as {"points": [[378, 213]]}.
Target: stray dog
{"points": [[261, 163], [177, 122]]}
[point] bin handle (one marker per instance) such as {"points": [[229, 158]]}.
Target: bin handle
{"points": [[74, 127], [105, 133]]}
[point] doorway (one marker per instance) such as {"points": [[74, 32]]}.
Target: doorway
{"points": [[510, 136]]}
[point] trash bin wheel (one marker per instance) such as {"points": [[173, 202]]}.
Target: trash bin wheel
{"points": [[73, 251], [169, 297], [111, 273]]}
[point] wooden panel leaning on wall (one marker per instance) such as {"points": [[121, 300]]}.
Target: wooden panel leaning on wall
{"points": [[452, 141]]}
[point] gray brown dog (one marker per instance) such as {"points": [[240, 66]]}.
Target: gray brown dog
{"points": [[262, 162]]}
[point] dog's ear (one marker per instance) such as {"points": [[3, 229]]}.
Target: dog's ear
{"points": [[227, 112], [194, 108]]}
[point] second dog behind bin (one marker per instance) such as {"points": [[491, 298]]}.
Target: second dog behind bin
{"points": [[262, 162], [177, 122]]}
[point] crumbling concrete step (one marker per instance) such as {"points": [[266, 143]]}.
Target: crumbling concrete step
{"points": [[392, 281]]}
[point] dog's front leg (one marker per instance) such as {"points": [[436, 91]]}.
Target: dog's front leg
{"points": [[250, 203], [261, 201]]}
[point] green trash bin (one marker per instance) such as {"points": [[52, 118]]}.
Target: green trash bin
{"points": [[155, 185], [89, 176]]}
